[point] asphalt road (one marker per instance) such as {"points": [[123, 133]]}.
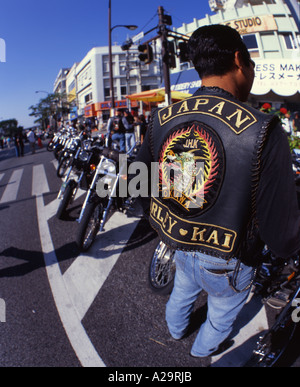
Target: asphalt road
{"points": [[65, 309]]}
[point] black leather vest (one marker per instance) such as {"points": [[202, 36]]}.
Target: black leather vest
{"points": [[208, 148]]}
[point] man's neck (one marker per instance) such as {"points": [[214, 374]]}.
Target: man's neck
{"points": [[225, 82]]}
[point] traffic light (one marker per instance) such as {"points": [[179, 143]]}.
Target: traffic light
{"points": [[126, 45], [146, 55], [169, 53], [183, 52], [167, 20]]}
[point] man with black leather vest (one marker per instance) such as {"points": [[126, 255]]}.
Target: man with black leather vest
{"points": [[225, 187]]}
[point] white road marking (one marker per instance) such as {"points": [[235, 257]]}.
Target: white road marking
{"points": [[39, 180], [84, 349], [12, 188], [87, 274]]}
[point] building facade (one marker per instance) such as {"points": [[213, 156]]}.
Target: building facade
{"points": [[270, 29], [60, 81], [87, 83]]}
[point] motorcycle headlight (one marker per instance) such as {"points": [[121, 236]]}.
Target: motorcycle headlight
{"points": [[83, 156], [108, 166]]}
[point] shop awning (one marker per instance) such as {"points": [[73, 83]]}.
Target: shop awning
{"points": [[280, 76], [157, 95]]}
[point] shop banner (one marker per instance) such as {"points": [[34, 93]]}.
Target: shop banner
{"points": [[282, 76]]}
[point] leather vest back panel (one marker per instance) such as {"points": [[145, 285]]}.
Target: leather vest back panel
{"points": [[208, 148]]}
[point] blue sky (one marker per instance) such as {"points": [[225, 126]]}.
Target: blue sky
{"points": [[44, 36]]}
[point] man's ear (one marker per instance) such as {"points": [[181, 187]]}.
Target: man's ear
{"points": [[238, 60]]}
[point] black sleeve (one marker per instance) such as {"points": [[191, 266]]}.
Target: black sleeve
{"points": [[145, 154], [277, 204]]}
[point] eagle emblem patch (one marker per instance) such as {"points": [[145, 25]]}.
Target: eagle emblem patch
{"points": [[192, 167]]}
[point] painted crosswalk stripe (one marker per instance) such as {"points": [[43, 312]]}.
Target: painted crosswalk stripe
{"points": [[39, 181], [77, 335], [87, 274], [12, 188]]}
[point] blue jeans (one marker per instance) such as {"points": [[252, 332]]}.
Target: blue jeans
{"points": [[130, 141], [121, 138], [196, 272]]}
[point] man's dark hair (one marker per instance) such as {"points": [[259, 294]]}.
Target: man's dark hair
{"points": [[212, 49]]}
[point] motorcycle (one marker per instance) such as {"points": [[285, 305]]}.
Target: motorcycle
{"points": [[80, 174], [57, 139], [53, 141], [279, 285], [58, 142], [70, 149], [99, 206]]}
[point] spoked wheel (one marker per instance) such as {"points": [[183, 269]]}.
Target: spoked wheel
{"points": [[66, 200], [50, 146], [162, 270], [89, 225], [64, 164]]}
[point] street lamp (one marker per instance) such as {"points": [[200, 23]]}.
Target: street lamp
{"points": [[110, 29]]}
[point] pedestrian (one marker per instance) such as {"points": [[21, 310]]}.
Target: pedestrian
{"points": [[17, 145], [21, 143], [40, 144], [140, 128], [128, 123], [31, 139], [116, 130], [232, 190]]}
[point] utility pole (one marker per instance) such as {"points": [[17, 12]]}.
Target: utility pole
{"points": [[165, 53], [169, 49], [111, 77]]}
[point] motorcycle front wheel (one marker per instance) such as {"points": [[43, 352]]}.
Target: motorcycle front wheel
{"points": [[162, 270], [63, 165], [50, 146], [89, 225], [65, 201]]}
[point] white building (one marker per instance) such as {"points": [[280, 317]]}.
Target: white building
{"points": [[60, 81], [88, 82]]}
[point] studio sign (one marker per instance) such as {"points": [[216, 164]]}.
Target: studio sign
{"points": [[253, 24]]}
